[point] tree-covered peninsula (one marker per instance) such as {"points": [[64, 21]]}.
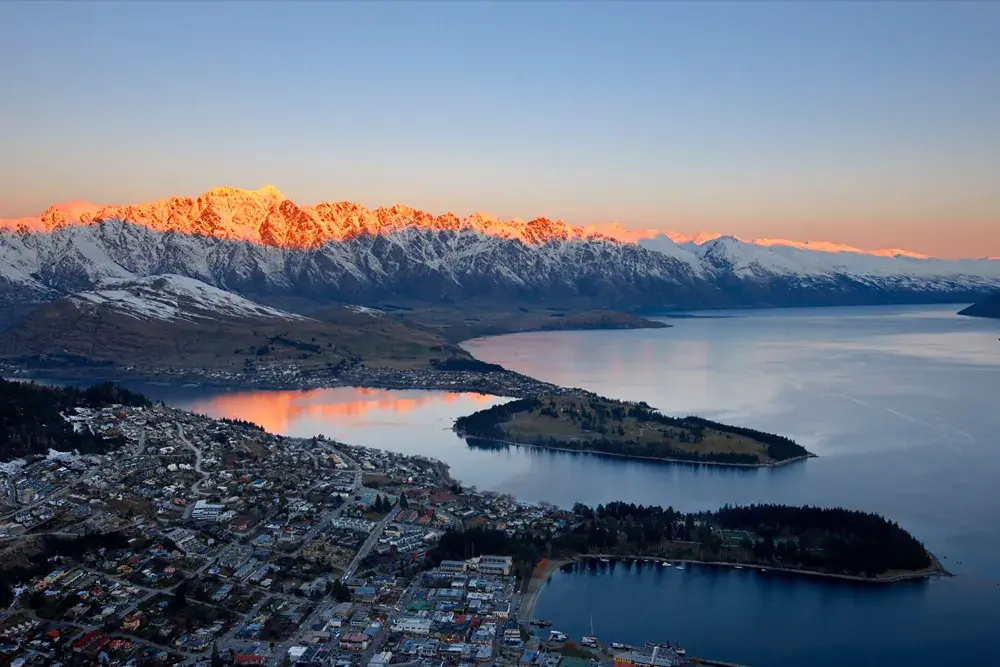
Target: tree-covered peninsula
{"points": [[832, 542], [588, 423]]}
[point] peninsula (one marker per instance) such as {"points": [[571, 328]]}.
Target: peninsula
{"points": [[188, 536], [585, 422]]}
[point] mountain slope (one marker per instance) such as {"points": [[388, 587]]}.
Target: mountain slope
{"points": [[182, 323], [988, 307], [264, 246]]}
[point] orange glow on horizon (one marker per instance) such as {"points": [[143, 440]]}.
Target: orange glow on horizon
{"points": [[238, 214], [275, 411]]}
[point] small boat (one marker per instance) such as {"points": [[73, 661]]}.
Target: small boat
{"points": [[617, 646], [764, 569], [739, 567], [681, 566], [605, 560], [667, 564], [589, 641], [679, 651]]}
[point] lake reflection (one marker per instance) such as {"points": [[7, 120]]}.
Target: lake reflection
{"points": [[341, 410]]}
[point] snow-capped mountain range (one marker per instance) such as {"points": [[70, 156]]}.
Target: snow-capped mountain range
{"points": [[261, 244]]}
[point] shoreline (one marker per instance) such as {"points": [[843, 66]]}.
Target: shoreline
{"points": [[538, 580], [543, 573], [934, 570], [773, 464], [501, 385]]}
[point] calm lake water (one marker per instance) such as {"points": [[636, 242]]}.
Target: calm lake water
{"points": [[900, 404]]}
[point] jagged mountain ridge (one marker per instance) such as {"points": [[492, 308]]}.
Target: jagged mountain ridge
{"points": [[267, 217], [259, 243]]}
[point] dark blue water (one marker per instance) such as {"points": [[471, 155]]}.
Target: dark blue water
{"points": [[772, 620], [901, 403]]}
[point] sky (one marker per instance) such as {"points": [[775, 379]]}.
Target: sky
{"points": [[872, 124]]}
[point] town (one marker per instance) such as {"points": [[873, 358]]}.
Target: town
{"points": [[276, 375], [204, 541]]}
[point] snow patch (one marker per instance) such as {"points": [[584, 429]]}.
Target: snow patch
{"points": [[172, 297], [365, 310]]}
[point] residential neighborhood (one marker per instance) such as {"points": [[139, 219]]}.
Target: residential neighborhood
{"points": [[212, 541]]}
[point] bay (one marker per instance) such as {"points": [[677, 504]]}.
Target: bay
{"points": [[900, 404]]}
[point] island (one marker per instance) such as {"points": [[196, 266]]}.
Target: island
{"points": [[158, 536], [585, 422]]}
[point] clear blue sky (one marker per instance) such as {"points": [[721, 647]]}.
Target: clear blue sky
{"points": [[874, 123]]}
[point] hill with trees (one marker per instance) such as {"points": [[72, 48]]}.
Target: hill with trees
{"points": [[588, 423], [826, 541], [32, 422], [988, 307]]}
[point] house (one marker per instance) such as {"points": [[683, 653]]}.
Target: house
{"points": [[248, 659], [452, 566], [132, 621], [366, 594], [355, 641]]}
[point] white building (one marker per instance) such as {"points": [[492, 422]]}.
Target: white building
{"points": [[206, 510], [499, 565], [413, 626]]}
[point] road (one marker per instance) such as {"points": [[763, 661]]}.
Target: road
{"points": [[197, 465], [84, 479], [369, 544]]}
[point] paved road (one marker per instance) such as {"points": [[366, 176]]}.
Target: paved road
{"points": [[197, 466], [369, 544]]}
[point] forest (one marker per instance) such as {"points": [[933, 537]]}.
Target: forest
{"points": [[824, 540], [31, 419]]}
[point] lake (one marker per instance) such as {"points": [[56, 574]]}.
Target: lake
{"points": [[900, 404]]}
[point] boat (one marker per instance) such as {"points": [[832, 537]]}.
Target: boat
{"points": [[617, 646], [605, 560], [764, 569], [667, 564], [589, 641], [556, 636], [739, 567], [679, 651], [681, 566]]}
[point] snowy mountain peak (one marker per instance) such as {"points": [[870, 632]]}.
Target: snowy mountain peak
{"points": [[173, 298]]}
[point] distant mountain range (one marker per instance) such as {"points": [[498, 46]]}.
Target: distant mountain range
{"points": [[988, 307], [262, 245]]}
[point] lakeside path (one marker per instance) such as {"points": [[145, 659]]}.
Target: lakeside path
{"points": [[933, 570], [545, 569], [543, 572]]}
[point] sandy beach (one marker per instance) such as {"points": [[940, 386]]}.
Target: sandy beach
{"points": [[540, 577]]}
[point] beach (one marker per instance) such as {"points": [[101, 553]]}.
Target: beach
{"points": [[540, 577]]}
